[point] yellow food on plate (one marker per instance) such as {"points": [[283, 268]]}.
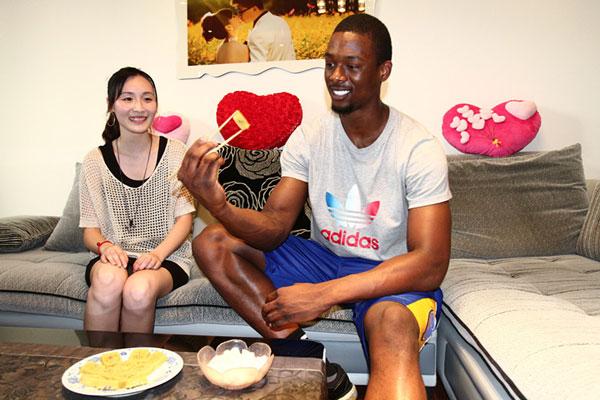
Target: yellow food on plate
{"points": [[135, 381], [157, 358], [152, 363], [108, 359], [92, 368], [99, 382], [112, 372], [124, 369], [139, 354]]}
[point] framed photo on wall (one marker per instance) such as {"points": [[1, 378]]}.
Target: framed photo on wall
{"points": [[219, 36]]}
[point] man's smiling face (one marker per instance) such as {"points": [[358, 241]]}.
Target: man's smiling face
{"points": [[352, 75]]}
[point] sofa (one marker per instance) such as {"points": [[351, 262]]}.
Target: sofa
{"points": [[522, 293], [521, 314]]}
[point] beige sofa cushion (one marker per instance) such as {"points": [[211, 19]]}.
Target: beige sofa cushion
{"points": [[528, 204], [538, 319]]}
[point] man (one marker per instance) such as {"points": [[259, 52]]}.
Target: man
{"points": [[270, 38], [380, 220]]}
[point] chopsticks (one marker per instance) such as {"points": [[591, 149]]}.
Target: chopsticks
{"points": [[240, 121], [225, 142]]}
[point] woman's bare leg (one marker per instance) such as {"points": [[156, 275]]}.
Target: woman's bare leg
{"points": [[140, 293], [103, 305]]}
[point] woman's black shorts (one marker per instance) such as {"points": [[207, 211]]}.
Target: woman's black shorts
{"points": [[179, 276]]}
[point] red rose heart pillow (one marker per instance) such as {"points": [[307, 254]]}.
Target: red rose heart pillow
{"points": [[497, 132], [272, 118], [172, 125]]}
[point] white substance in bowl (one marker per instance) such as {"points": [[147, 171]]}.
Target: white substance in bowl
{"points": [[233, 358]]}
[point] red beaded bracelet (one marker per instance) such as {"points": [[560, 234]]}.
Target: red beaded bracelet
{"points": [[99, 244]]}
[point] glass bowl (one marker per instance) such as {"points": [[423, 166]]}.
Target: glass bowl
{"points": [[235, 369]]}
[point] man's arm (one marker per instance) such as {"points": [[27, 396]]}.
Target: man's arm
{"points": [[264, 230], [268, 229], [421, 269], [424, 266]]}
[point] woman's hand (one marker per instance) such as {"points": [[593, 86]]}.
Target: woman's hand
{"points": [[147, 261], [113, 254]]}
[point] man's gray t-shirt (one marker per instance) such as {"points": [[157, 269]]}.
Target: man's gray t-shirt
{"points": [[360, 197]]}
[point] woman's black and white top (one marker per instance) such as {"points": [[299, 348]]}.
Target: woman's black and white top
{"points": [[109, 204]]}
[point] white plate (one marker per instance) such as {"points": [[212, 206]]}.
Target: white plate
{"points": [[162, 374]]}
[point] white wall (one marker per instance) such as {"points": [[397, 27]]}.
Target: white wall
{"points": [[57, 56]]}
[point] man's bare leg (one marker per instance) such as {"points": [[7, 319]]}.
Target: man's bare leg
{"points": [[236, 270], [392, 334]]}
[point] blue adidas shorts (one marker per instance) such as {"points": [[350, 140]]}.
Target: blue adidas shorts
{"points": [[306, 261]]}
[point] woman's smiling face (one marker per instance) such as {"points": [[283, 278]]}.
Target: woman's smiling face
{"points": [[136, 105]]}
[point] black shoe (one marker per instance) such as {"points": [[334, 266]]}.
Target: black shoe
{"points": [[340, 387]]}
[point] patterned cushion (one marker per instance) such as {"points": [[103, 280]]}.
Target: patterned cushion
{"points": [[24, 232], [589, 241], [249, 176]]}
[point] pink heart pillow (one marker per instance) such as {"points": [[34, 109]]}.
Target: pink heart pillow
{"points": [[497, 132], [272, 118], [172, 125]]}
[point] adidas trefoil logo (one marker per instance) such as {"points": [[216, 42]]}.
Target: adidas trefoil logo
{"points": [[351, 216]]}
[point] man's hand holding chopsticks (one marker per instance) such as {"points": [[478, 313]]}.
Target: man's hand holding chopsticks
{"points": [[199, 173]]}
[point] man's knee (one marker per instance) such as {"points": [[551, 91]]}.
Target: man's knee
{"points": [[212, 241], [211, 235], [391, 324], [215, 248]]}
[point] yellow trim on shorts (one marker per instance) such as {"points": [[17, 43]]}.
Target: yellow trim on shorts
{"points": [[424, 311]]}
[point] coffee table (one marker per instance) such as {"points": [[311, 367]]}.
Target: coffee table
{"points": [[32, 362]]}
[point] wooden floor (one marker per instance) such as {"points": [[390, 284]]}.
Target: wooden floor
{"points": [[437, 393]]}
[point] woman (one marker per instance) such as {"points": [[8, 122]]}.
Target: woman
{"points": [[224, 25], [133, 218]]}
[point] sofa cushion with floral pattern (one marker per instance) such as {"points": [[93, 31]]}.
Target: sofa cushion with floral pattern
{"points": [[249, 176]]}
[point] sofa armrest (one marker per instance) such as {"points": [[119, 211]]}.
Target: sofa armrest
{"points": [[591, 185], [588, 244], [24, 232]]}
